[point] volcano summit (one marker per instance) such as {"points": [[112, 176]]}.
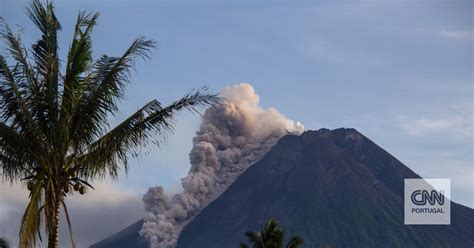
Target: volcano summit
{"points": [[329, 187]]}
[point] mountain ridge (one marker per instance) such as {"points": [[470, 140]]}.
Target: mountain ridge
{"points": [[332, 187]]}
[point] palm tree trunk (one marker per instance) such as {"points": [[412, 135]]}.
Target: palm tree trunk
{"points": [[53, 235]]}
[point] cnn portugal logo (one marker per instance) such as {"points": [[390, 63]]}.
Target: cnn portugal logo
{"points": [[422, 197], [427, 202]]}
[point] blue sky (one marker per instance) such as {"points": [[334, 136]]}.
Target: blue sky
{"points": [[384, 68], [398, 71]]}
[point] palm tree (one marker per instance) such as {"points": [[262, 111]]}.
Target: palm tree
{"points": [[54, 124], [3, 243], [270, 236]]}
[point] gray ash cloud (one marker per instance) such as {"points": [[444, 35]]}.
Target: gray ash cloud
{"points": [[233, 135]]}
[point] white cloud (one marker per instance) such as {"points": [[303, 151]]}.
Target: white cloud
{"points": [[94, 216], [425, 125], [457, 122], [457, 34]]}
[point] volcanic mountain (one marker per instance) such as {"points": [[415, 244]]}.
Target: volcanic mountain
{"points": [[329, 187]]}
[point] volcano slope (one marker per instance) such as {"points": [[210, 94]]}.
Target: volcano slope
{"points": [[332, 187], [329, 187]]}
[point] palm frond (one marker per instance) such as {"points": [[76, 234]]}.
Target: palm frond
{"points": [[13, 87], [11, 97], [14, 107], [18, 87], [30, 224], [54, 128], [150, 123], [78, 61], [44, 52], [295, 242], [103, 88], [23, 75], [270, 236], [273, 235], [43, 16], [3, 243], [69, 226], [243, 245], [15, 48], [17, 155], [254, 237]]}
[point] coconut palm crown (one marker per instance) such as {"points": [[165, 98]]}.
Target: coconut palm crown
{"points": [[270, 236], [54, 117], [3, 243]]}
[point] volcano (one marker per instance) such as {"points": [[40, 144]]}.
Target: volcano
{"points": [[330, 187]]}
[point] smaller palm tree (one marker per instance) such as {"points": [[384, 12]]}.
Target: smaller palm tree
{"points": [[3, 243], [270, 236]]}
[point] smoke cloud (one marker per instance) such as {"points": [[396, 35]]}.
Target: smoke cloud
{"points": [[233, 135]]}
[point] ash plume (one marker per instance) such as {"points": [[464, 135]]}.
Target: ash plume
{"points": [[233, 135]]}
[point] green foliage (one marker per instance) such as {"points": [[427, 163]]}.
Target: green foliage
{"points": [[54, 123], [3, 243], [270, 236]]}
